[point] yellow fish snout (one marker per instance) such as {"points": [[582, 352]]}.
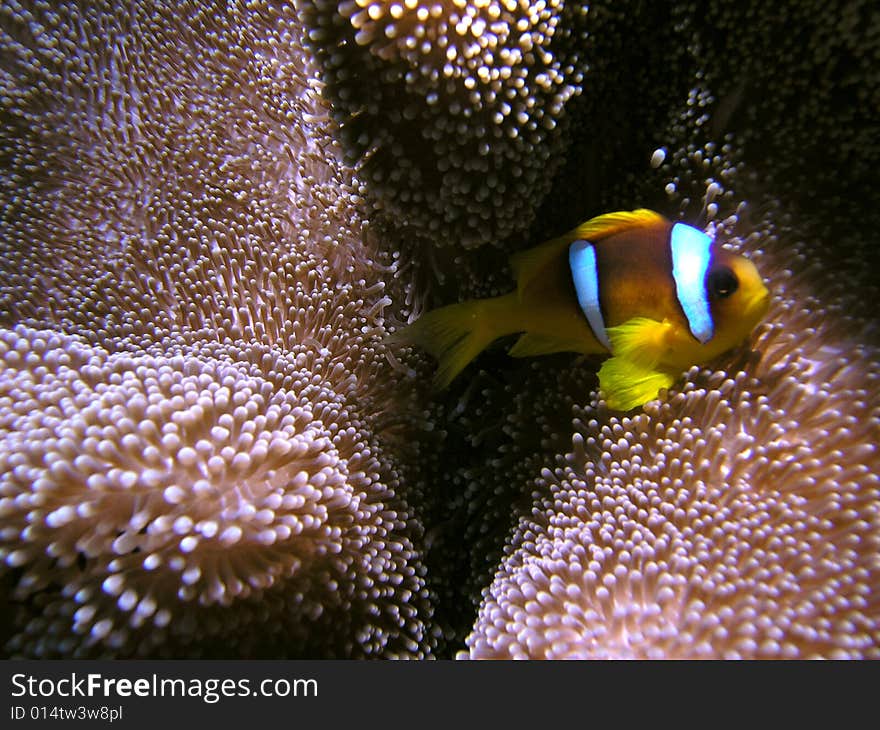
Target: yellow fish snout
{"points": [[760, 303], [756, 295]]}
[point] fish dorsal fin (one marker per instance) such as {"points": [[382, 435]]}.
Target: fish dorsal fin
{"points": [[529, 263], [610, 223], [526, 265]]}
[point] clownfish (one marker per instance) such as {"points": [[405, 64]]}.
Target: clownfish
{"points": [[656, 296]]}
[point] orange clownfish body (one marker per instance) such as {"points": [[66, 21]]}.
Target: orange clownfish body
{"points": [[656, 296]]}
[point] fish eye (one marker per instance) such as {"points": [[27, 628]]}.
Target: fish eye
{"points": [[722, 282]]}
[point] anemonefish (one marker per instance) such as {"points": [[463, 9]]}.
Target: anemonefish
{"points": [[655, 295]]}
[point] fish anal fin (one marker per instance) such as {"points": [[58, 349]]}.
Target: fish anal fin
{"points": [[641, 340], [529, 345], [626, 384]]}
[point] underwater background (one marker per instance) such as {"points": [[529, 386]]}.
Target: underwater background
{"points": [[213, 214]]}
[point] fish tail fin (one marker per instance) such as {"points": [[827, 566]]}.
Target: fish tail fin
{"points": [[627, 384], [457, 333]]}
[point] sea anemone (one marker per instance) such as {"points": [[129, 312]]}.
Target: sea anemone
{"points": [[739, 516], [143, 497], [657, 537], [206, 448], [814, 71], [452, 110], [198, 426]]}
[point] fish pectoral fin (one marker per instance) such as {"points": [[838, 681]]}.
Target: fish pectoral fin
{"points": [[627, 384], [530, 344], [641, 340]]}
